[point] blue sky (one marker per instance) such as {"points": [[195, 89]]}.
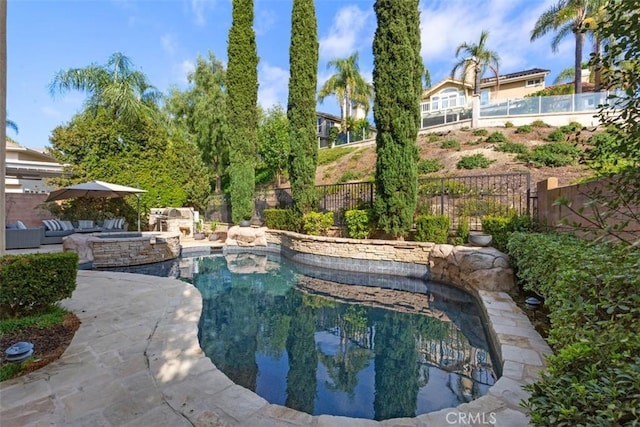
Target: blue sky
{"points": [[164, 37]]}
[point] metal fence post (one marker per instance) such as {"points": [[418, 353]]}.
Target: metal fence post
{"points": [[441, 196]]}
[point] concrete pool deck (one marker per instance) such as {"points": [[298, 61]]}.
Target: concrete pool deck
{"points": [[136, 361]]}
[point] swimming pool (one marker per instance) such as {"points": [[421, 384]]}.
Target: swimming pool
{"points": [[296, 337]]}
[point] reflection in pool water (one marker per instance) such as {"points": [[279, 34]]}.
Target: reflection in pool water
{"points": [[307, 343]]}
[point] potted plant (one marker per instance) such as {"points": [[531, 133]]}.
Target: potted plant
{"points": [[480, 239], [199, 234], [246, 221]]}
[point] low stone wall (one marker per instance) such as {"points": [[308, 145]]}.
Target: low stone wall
{"points": [[136, 250], [471, 268], [124, 251]]}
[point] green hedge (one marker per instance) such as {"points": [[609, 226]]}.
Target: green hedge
{"points": [[317, 223], [593, 296], [30, 283], [502, 226], [432, 228], [281, 219], [359, 223]]}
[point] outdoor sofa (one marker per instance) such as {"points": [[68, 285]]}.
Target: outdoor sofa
{"points": [[54, 230], [18, 236]]}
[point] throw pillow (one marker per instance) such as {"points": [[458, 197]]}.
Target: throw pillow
{"points": [[50, 224], [21, 225], [108, 224], [119, 223], [85, 223], [66, 225]]}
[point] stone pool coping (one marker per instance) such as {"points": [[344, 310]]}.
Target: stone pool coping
{"points": [[136, 360]]}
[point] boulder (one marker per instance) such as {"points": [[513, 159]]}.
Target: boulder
{"points": [[246, 236], [80, 244]]}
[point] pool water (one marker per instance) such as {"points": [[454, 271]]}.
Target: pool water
{"points": [[317, 346]]}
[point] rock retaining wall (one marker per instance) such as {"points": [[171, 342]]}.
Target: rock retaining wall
{"points": [[469, 267], [124, 251]]}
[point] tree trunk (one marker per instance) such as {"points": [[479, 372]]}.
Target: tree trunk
{"points": [[476, 84], [597, 68], [578, 61]]}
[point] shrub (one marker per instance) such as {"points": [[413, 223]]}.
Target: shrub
{"points": [[31, 283], [429, 165], [593, 378], [553, 155], [474, 161], [348, 176], [524, 129], [572, 127], [496, 137], [359, 223], [317, 223], [433, 137], [512, 147], [450, 143], [539, 124], [480, 132], [508, 124], [556, 135], [502, 226], [432, 228], [281, 219], [462, 233], [480, 207]]}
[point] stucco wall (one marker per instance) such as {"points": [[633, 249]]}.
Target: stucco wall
{"points": [[580, 196]]}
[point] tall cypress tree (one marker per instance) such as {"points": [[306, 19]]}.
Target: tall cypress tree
{"points": [[242, 86], [397, 85], [301, 107]]}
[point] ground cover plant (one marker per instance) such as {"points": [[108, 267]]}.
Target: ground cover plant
{"points": [[426, 166], [450, 143], [512, 147], [553, 154], [473, 161], [592, 293]]}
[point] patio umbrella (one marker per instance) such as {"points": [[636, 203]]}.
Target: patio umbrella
{"points": [[95, 190]]}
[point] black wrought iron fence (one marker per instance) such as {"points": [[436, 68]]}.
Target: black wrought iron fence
{"points": [[471, 197], [460, 198]]}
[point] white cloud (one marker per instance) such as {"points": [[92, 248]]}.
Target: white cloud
{"points": [[273, 87], [352, 29], [509, 23], [265, 20], [169, 44], [199, 9]]}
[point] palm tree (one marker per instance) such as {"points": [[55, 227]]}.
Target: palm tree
{"points": [[348, 85], [12, 125], [476, 59], [569, 16], [114, 85]]}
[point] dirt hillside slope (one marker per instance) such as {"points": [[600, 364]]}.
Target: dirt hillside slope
{"points": [[359, 163]]}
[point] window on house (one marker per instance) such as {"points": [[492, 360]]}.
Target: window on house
{"points": [[448, 98], [533, 82], [485, 95]]}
